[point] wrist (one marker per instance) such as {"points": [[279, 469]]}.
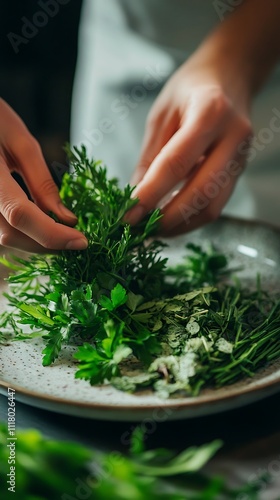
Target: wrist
{"points": [[212, 64], [246, 46]]}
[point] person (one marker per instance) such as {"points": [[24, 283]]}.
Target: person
{"points": [[187, 72]]}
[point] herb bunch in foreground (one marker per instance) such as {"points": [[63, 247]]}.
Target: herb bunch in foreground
{"points": [[62, 470]]}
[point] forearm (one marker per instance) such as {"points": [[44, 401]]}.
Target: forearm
{"points": [[246, 45]]}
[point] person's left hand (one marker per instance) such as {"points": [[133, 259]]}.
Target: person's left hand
{"points": [[196, 140]]}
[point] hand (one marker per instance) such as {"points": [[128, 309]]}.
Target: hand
{"points": [[193, 143], [24, 224]]}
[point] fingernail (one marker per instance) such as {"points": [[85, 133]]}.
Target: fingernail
{"points": [[66, 212], [135, 214], [77, 244]]}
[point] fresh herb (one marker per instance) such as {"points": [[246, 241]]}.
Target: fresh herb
{"points": [[47, 468], [135, 322]]}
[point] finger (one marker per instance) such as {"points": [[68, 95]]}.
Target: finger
{"points": [[174, 162], [25, 156], [39, 181], [12, 238], [158, 131], [202, 199], [23, 215]]}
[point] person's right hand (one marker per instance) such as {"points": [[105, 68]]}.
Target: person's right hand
{"points": [[25, 224]]}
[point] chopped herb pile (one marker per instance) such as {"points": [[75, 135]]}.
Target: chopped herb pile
{"points": [[46, 468], [135, 322]]}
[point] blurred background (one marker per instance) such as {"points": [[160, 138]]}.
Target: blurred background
{"points": [[37, 72]]}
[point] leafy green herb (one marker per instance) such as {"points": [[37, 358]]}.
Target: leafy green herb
{"points": [[135, 322], [47, 468]]}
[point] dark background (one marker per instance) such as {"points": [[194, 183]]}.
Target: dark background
{"points": [[37, 81]]}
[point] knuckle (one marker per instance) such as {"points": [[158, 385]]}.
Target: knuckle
{"points": [[5, 240], [48, 238], [28, 145], [48, 187], [215, 109], [47, 242], [219, 104], [15, 214]]}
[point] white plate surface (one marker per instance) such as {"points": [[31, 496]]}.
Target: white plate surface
{"points": [[254, 246]]}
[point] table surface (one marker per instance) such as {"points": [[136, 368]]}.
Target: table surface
{"points": [[251, 437]]}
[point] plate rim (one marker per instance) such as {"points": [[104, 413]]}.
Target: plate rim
{"points": [[169, 403]]}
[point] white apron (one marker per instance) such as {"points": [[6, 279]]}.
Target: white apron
{"points": [[127, 50]]}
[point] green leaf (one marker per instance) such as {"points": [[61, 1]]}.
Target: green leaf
{"points": [[52, 349], [87, 353], [137, 441], [36, 312], [133, 301], [122, 352], [106, 303], [118, 296], [191, 460], [10, 264]]}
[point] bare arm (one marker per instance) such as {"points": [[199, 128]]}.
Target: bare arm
{"points": [[202, 116]]}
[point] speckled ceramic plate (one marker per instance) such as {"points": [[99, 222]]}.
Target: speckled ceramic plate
{"points": [[254, 246]]}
